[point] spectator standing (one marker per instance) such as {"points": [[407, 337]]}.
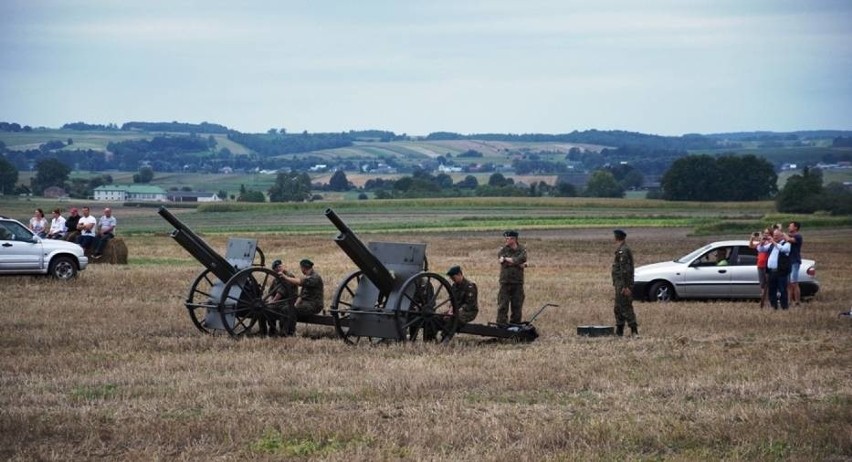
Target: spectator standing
{"points": [[762, 258], [795, 239], [106, 231], [38, 224], [57, 226], [776, 273]]}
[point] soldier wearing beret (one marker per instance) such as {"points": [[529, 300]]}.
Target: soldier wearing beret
{"points": [[512, 259], [466, 295], [622, 280], [311, 298]]}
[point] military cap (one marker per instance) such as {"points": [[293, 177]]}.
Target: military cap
{"points": [[510, 233], [619, 233], [276, 264], [306, 263], [454, 270]]}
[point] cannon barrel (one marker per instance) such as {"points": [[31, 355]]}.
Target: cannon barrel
{"points": [[199, 249], [366, 261]]}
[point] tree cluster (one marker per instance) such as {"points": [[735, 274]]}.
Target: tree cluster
{"points": [[291, 187], [14, 127], [82, 126], [177, 127], [805, 193], [725, 178]]}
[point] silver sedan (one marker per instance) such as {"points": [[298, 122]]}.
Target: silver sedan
{"points": [[724, 269]]}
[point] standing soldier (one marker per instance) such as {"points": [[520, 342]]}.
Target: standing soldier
{"points": [[622, 280], [513, 259], [465, 294]]}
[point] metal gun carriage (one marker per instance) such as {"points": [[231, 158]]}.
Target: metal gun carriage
{"points": [[392, 295]]}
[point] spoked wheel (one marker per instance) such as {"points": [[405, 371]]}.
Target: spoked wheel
{"points": [[432, 309], [341, 307], [200, 300], [243, 301]]}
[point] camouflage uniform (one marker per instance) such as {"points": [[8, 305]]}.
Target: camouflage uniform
{"points": [[622, 276], [311, 297], [511, 284], [285, 293], [465, 294]]}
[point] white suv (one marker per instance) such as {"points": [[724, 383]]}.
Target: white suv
{"points": [[22, 252]]}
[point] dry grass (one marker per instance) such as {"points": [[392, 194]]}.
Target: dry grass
{"points": [[110, 367]]}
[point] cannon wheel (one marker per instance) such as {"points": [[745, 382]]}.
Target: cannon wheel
{"points": [[243, 300], [198, 301], [342, 303], [432, 309]]}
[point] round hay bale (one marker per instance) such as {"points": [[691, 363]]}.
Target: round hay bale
{"points": [[115, 252]]}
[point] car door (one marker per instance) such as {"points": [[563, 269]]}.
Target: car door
{"points": [[744, 279], [20, 250], [705, 279]]}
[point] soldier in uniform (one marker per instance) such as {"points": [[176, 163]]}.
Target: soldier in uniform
{"points": [[465, 294], [281, 297], [512, 259], [622, 280], [311, 298]]}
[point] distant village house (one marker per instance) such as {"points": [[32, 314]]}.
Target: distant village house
{"points": [[193, 196], [124, 193]]}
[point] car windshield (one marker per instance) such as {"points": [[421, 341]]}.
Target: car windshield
{"points": [[694, 254]]}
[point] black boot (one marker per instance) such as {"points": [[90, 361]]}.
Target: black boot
{"points": [[634, 330], [619, 330]]}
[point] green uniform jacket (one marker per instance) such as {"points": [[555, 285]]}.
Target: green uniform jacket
{"points": [[287, 290], [622, 267], [512, 273], [312, 290], [467, 299]]}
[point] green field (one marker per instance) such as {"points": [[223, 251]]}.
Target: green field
{"points": [[436, 215]]}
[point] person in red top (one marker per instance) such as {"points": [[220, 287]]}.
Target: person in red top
{"points": [[762, 258]]}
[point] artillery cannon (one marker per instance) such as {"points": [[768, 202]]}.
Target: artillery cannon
{"points": [[392, 295], [228, 295]]}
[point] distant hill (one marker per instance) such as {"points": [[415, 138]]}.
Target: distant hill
{"points": [[209, 147]]}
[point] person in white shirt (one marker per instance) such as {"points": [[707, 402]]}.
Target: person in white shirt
{"points": [[106, 231], [779, 249], [38, 224], [86, 227], [57, 226]]}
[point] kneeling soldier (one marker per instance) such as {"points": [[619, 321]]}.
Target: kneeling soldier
{"points": [[465, 294]]}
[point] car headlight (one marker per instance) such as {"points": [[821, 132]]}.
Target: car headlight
{"points": [[811, 271]]}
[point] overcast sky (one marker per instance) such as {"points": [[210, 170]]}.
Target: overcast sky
{"points": [[545, 66]]}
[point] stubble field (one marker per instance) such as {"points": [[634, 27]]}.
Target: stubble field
{"points": [[110, 367]]}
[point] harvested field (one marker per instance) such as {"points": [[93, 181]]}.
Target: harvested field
{"points": [[110, 367]]}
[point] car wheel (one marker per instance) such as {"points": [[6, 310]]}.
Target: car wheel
{"points": [[63, 268], [662, 291]]}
